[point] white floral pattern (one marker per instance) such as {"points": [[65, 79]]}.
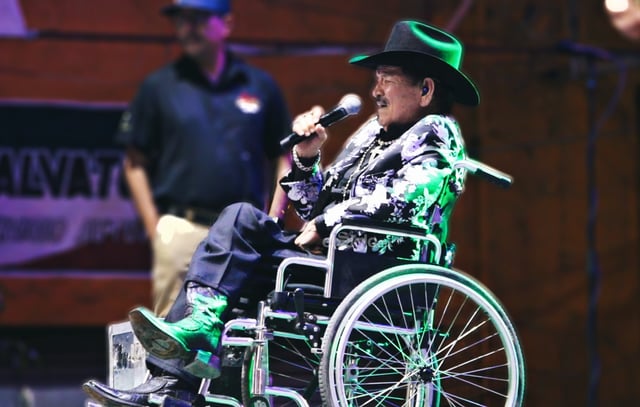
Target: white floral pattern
{"points": [[401, 185]]}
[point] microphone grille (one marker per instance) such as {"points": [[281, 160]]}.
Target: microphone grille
{"points": [[351, 103]]}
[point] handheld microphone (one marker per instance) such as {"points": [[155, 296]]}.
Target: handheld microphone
{"points": [[348, 105]]}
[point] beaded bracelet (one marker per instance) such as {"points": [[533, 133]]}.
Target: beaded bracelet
{"points": [[302, 167]]}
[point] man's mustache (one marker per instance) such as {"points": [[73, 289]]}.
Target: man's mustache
{"points": [[381, 101]]}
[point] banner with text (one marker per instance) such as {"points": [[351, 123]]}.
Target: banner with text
{"points": [[63, 204]]}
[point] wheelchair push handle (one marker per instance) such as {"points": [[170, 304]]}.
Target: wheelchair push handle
{"points": [[485, 171]]}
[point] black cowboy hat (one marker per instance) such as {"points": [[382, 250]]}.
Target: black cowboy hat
{"points": [[219, 7], [436, 52]]}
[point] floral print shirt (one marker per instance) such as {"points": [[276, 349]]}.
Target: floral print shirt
{"points": [[410, 180]]}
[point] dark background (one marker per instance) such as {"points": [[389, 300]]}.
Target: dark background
{"points": [[529, 244]]}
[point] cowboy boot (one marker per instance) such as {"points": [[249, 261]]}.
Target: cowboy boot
{"points": [[141, 395], [196, 334]]}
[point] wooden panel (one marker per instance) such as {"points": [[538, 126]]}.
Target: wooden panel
{"points": [[90, 301], [81, 71], [304, 21], [107, 17], [519, 24], [346, 22]]}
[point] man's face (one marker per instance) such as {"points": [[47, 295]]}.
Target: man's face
{"points": [[200, 32], [398, 100]]}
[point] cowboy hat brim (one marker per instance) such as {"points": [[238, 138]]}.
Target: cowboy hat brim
{"points": [[463, 89]]}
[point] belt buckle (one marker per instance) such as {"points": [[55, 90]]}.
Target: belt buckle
{"points": [[189, 214]]}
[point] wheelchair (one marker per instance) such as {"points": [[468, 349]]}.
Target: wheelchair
{"points": [[412, 334]]}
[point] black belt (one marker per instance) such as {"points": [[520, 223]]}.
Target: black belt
{"points": [[197, 215]]}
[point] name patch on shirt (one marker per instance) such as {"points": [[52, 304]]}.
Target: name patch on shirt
{"points": [[248, 103]]}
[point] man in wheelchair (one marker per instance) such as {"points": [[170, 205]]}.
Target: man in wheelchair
{"points": [[397, 168]]}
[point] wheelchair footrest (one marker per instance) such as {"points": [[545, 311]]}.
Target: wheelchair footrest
{"points": [[221, 400], [168, 401], [205, 365]]}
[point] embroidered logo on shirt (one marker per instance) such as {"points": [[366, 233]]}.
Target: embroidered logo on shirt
{"points": [[248, 103]]}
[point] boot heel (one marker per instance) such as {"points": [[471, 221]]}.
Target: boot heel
{"points": [[205, 365]]}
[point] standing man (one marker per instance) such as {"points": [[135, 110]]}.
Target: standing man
{"points": [[199, 136]]}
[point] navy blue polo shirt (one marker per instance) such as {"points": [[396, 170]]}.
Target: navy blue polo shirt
{"points": [[207, 143]]}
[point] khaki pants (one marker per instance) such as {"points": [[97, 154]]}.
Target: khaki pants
{"points": [[173, 245]]}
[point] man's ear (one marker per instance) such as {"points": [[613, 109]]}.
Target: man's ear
{"points": [[426, 93], [229, 23]]}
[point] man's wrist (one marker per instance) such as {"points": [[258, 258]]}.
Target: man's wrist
{"points": [[306, 164], [305, 154]]}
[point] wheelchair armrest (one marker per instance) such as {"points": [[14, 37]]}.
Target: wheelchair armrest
{"points": [[356, 223], [361, 220], [312, 263], [366, 224]]}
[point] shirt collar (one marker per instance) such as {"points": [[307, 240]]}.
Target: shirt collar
{"points": [[234, 71], [393, 132]]}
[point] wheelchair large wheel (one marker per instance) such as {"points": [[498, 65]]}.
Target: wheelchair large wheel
{"points": [[421, 335], [290, 365]]}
